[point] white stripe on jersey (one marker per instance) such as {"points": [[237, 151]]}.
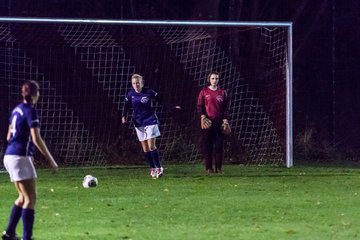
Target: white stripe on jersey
{"points": [[18, 110]]}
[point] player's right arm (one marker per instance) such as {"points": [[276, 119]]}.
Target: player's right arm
{"points": [[205, 122], [8, 134], [40, 144], [127, 106], [201, 104]]}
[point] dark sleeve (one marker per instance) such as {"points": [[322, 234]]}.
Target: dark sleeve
{"points": [[165, 104], [127, 106], [225, 106], [201, 104], [33, 119], [158, 98]]}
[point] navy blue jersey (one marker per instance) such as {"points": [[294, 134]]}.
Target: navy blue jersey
{"points": [[144, 113], [23, 117]]}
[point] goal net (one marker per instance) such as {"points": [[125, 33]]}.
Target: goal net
{"points": [[84, 70]]}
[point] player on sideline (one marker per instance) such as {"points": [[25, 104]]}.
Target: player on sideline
{"points": [[23, 135], [145, 120], [212, 107]]}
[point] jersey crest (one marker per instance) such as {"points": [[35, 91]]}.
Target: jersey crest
{"points": [[219, 98], [144, 100]]}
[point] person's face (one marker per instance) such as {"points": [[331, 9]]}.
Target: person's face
{"points": [[214, 79], [34, 98], [137, 84]]}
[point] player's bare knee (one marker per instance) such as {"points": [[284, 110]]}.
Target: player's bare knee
{"points": [[29, 203], [19, 201], [152, 148]]}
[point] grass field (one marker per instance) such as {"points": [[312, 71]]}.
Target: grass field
{"points": [[243, 203]]}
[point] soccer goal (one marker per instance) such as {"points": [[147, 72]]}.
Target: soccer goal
{"points": [[84, 69]]}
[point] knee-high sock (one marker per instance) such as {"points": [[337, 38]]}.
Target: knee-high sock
{"points": [[156, 158], [14, 219], [149, 159], [28, 216]]}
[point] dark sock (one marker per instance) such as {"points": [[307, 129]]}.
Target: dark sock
{"points": [[218, 161], [208, 161], [149, 159], [28, 222], [156, 158], [13, 220]]}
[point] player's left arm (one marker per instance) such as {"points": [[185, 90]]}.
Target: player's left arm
{"points": [[225, 106], [40, 144], [34, 125], [157, 97], [160, 99], [225, 125]]}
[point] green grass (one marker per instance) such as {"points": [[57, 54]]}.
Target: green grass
{"points": [[244, 203]]}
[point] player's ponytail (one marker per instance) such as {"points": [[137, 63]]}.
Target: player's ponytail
{"points": [[29, 90], [28, 98]]}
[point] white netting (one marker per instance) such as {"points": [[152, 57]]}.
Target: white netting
{"points": [[252, 125], [62, 129], [84, 71]]}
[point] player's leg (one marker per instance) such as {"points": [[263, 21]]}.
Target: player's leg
{"points": [[15, 216], [148, 157], [218, 148], [155, 156], [18, 167], [28, 190], [142, 136], [152, 132], [154, 151], [207, 149]]}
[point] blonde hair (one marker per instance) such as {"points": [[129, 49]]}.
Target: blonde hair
{"points": [[138, 77]]}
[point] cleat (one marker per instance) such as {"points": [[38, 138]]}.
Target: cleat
{"points": [[160, 172], [6, 236], [219, 171], [153, 173]]}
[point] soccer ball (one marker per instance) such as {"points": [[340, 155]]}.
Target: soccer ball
{"points": [[89, 181]]}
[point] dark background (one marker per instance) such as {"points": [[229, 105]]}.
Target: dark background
{"points": [[325, 45]]}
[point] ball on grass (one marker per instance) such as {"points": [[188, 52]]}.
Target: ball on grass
{"points": [[90, 181]]}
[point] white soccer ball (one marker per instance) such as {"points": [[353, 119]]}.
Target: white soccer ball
{"points": [[90, 181]]}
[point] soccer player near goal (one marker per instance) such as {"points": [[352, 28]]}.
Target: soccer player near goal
{"points": [[23, 135], [145, 120], [212, 107]]}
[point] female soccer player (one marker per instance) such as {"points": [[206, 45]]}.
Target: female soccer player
{"points": [[212, 107], [23, 135], [145, 120]]}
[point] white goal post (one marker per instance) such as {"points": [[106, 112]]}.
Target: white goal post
{"points": [[76, 60]]}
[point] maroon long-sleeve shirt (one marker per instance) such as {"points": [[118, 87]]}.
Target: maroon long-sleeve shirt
{"points": [[213, 104]]}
